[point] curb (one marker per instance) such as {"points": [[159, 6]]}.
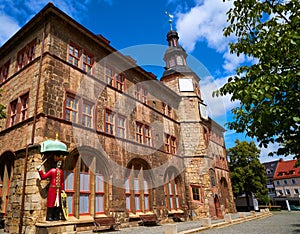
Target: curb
{"points": [[226, 224]]}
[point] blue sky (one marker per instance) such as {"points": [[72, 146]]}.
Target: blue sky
{"points": [[129, 23]]}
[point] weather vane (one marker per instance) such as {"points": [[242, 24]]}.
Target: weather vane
{"points": [[170, 19]]}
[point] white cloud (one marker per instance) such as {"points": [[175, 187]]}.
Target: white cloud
{"points": [[218, 106], [8, 27], [205, 22]]}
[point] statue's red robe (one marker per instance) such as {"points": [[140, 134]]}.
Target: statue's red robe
{"points": [[56, 176]]}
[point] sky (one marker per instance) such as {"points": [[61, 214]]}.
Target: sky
{"points": [[130, 24]]}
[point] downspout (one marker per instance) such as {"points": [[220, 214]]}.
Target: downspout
{"points": [[33, 131]]}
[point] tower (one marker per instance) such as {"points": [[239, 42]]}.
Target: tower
{"points": [[194, 125]]}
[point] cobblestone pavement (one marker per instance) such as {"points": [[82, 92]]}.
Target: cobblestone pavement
{"points": [[282, 222]]}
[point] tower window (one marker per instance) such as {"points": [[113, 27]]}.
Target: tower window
{"points": [[179, 60]]}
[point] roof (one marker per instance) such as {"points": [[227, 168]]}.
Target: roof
{"points": [[286, 169]]}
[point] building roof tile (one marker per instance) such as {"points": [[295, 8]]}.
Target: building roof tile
{"points": [[286, 169]]}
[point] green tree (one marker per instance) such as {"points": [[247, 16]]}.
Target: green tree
{"points": [[247, 174], [269, 90], [2, 109]]}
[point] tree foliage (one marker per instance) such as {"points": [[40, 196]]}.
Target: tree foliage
{"points": [[268, 90], [247, 174]]}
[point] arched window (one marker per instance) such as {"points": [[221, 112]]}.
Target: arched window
{"points": [[6, 170], [212, 177], [83, 170], [172, 189], [137, 187]]}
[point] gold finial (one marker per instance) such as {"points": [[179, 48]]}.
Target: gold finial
{"points": [[56, 136], [170, 19]]}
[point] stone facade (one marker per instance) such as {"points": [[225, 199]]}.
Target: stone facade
{"points": [[136, 145]]}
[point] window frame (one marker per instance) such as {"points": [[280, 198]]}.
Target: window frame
{"points": [[140, 93], [24, 106], [195, 192], [83, 59], [143, 134], [109, 121], [113, 78], [4, 71], [79, 110], [26, 55], [170, 144]]}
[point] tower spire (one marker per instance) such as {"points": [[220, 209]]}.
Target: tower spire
{"points": [[170, 19]]}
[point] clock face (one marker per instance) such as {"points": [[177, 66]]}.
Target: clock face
{"points": [[185, 85], [203, 111]]}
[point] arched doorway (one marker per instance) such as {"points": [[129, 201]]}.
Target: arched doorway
{"points": [[218, 207], [6, 172], [224, 192]]}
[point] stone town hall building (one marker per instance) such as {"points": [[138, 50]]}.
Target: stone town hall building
{"points": [[136, 144]]}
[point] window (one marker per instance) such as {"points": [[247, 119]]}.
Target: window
{"points": [[114, 79], [143, 134], [69, 189], [26, 55], [167, 143], [288, 192], [170, 144], [196, 193], [121, 126], [87, 114], [109, 122], [172, 62], [24, 106], [81, 173], [139, 133], [179, 60], [172, 195], [277, 182], [147, 131], [279, 192], [166, 109], [141, 93], [137, 190], [84, 191], [128, 195], [80, 58], [13, 112], [99, 190], [115, 124], [72, 108], [18, 110], [4, 71], [296, 191], [212, 177], [293, 181], [285, 182], [87, 62], [74, 55], [79, 110]]}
